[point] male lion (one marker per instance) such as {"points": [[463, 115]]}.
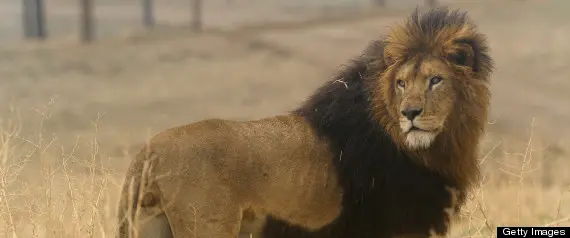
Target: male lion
{"points": [[386, 148]]}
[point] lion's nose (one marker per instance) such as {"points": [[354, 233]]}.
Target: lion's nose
{"points": [[411, 113]]}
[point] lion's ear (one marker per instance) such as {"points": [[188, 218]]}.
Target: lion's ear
{"points": [[376, 52], [388, 59], [389, 54], [462, 53]]}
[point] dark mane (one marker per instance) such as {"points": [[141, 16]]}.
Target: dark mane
{"points": [[386, 192]]}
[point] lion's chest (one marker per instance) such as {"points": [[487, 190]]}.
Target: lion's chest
{"points": [[415, 200], [393, 196]]}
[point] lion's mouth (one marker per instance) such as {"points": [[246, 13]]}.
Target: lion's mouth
{"points": [[410, 127], [414, 128]]}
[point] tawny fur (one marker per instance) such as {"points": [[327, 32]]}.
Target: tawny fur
{"points": [[204, 176], [342, 165]]}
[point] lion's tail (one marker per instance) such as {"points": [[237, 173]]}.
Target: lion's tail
{"points": [[139, 191]]}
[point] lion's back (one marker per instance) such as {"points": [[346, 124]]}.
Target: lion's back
{"points": [[239, 151]]}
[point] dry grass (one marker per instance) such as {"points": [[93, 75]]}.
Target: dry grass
{"points": [[70, 198], [516, 191], [60, 200]]}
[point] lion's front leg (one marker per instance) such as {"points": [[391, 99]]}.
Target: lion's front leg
{"points": [[450, 213]]}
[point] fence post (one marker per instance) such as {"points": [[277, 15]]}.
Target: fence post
{"points": [[87, 27], [34, 19], [148, 13], [381, 3], [197, 10], [41, 13]]}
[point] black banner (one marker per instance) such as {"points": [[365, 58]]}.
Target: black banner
{"points": [[531, 232]]}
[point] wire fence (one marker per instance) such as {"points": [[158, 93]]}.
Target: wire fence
{"points": [[90, 19]]}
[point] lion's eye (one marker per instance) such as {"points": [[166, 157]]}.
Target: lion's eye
{"points": [[435, 80], [401, 83]]}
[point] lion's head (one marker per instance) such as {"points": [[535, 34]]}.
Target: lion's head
{"points": [[434, 83]]}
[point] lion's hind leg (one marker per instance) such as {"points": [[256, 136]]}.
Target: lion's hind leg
{"points": [[156, 227], [210, 217]]}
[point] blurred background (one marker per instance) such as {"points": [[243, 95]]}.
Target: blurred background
{"points": [[80, 99]]}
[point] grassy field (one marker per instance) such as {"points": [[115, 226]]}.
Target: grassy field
{"points": [[73, 115]]}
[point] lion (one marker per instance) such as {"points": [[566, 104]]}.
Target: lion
{"points": [[388, 147]]}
